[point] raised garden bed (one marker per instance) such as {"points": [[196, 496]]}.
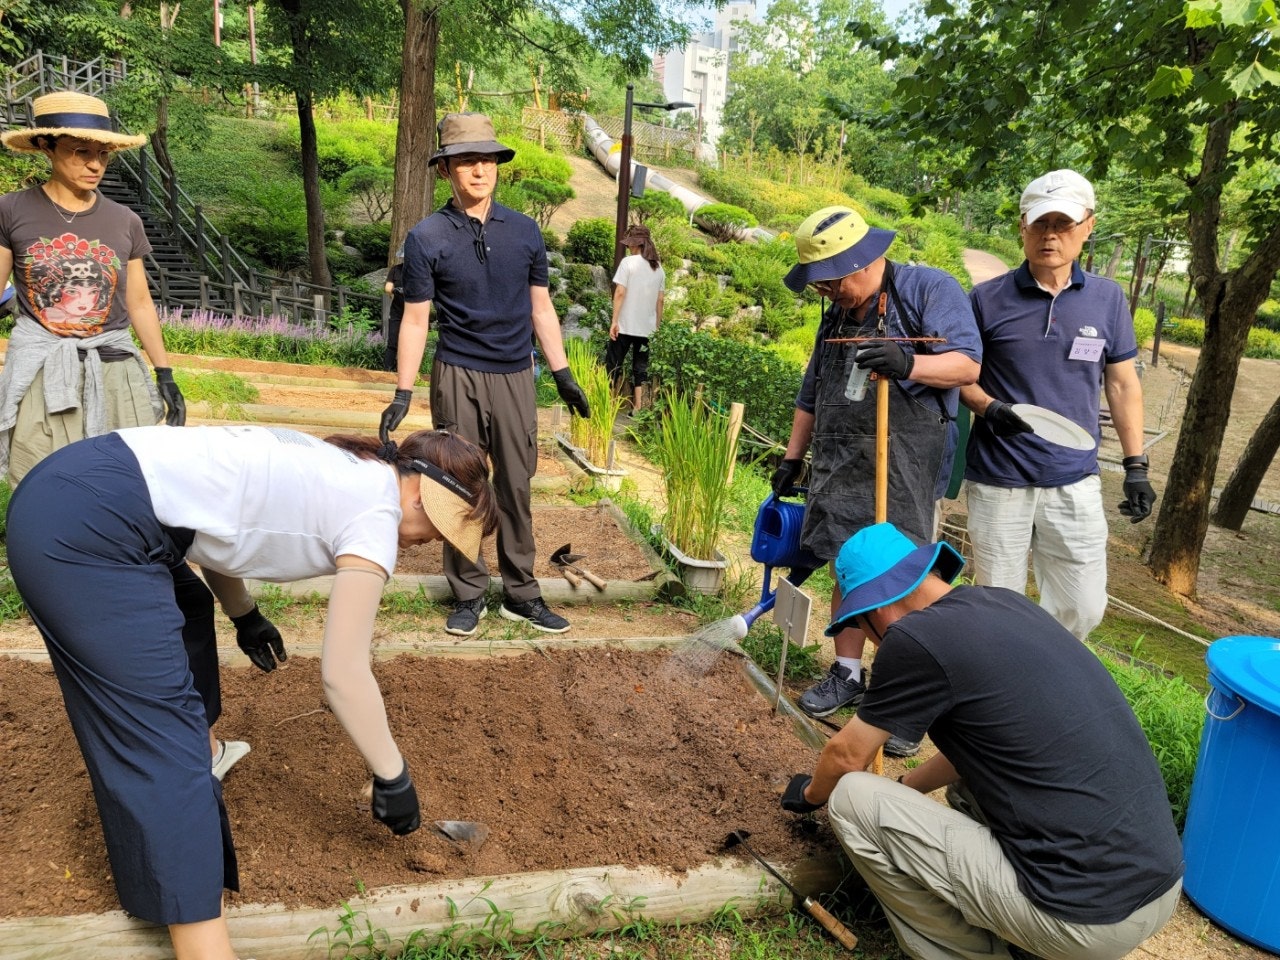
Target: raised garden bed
{"points": [[608, 777]]}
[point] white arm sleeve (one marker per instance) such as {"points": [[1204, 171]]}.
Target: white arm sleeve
{"points": [[349, 685]]}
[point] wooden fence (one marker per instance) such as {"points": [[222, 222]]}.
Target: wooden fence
{"points": [[650, 141]]}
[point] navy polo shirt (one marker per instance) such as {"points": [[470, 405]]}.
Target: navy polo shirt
{"points": [[935, 300], [482, 311], [1049, 351]]}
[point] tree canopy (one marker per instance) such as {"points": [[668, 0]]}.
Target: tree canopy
{"points": [[1139, 89]]}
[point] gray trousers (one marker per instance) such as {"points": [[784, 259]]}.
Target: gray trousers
{"points": [[947, 888], [498, 412]]}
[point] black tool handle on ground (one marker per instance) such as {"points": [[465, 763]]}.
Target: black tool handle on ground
{"points": [[831, 924]]}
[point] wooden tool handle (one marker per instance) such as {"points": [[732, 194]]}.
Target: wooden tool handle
{"points": [[831, 924], [572, 577], [592, 579]]}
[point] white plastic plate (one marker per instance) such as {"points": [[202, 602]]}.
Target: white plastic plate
{"points": [[1054, 427]]}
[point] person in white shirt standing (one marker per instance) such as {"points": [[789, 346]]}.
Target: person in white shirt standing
{"points": [[639, 289]]}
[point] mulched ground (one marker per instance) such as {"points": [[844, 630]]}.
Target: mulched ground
{"points": [[572, 758]]}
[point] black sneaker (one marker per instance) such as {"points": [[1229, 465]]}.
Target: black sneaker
{"points": [[535, 613], [837, 689], [464, 619], [897, 747]]}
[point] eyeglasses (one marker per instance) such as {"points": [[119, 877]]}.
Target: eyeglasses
{"points": [[87, 155], [1060, 227]]}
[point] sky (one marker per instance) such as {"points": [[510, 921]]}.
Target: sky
{"points": [[893, 8]]}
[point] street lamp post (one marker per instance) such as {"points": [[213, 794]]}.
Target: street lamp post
{"points": [[624, 166]]}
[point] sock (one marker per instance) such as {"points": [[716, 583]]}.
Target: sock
{"points": [[852, 667], [217, 757]]}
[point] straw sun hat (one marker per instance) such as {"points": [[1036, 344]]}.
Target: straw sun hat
{"points": [[71, 115]]}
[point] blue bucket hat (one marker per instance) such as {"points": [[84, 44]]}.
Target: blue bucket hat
{"points": [[833, 243], [879, 565]]}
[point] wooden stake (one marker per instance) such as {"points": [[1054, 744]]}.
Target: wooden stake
{"points": [[735, 427]]}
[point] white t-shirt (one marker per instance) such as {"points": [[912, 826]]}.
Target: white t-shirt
{"points": [[638, 315], [269, 503]]}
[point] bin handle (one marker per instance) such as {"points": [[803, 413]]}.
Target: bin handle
{"points": [[1234, 713]]}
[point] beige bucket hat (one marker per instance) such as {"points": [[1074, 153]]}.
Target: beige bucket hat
{"points": [[68, 114], [461, 133]]}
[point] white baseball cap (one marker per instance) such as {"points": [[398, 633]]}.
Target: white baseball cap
{"points": [[1062, 191]]}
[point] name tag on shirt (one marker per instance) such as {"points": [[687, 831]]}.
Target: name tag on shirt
{"points": [[1087, 348]]}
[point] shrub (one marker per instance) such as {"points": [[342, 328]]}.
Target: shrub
{"points": [[682, 358], [20, 170], [271, 225], [591, 241], [757, 270], [373, 240], [343, 145], [373, 187], [656, 205], [724, 221], [577, 279], [552, 240], [533, 162], [343, 265], [545, 197]]}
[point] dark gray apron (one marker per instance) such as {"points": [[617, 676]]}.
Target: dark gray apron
{"points": [[842, 486]]}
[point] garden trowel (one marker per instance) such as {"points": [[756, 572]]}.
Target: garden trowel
{"points": [[466, 833]]}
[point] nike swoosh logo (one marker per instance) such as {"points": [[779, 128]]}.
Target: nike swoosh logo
{"points": [[1053, 189]]}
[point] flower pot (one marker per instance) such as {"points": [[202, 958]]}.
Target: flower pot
{"points": [[611, 480], [699, 576]]}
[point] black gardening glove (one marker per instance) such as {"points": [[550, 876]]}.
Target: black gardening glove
{"points": [[1003, 421], [1139, 495], [793, 800], [395, 803], [886, 358], [175, 408], [784, 478], [259, 639], [570, 392], [394, 414]]}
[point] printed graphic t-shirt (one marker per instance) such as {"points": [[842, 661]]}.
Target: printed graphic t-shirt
{"points": [[71, 277]]}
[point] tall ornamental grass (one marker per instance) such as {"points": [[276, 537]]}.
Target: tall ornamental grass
{"points": [[592, 434], [694, 451]]}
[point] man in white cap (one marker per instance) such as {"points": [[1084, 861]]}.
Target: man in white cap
{"points": [[1055, 337], [1057, 837], [881, 302], [483, 268]]}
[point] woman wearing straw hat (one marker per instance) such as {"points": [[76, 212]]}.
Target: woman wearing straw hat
{"points": [[114, 514], [639, 289], [72, 369]]}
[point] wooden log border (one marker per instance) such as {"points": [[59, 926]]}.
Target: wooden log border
{"points": [[555, 903]]}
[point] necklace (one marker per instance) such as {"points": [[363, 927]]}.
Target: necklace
{"points": [[58, 210]]}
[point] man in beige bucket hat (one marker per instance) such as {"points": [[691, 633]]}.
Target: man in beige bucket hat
{"points": [[483, 268]]}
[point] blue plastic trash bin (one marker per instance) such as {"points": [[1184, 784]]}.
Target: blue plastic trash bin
{"points": [[1232, 838]]}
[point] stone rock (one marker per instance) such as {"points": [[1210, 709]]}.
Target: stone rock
{"points": [[600, 278], [351, 251], [571, 325]]}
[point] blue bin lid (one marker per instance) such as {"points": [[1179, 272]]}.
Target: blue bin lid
{"points": [[1249, 667]]}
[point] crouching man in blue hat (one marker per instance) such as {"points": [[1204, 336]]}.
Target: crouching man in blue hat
{"points": [[1057, 837]]}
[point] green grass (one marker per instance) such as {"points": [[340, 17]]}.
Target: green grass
{"points": [[225, 393], [214, 174]]}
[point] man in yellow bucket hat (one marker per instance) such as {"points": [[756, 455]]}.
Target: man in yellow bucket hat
{"points": [[883, 305]]}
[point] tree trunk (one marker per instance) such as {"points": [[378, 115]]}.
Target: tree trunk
{"points": [[311, 189], [1240, 490], [416, 137], [160, 139], [1230, 302], [1116, 254]]}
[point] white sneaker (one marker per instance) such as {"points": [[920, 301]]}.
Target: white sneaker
{"points": [[232, 752]]}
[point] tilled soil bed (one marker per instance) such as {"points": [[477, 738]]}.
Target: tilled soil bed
{"points": [[585, 757]]}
